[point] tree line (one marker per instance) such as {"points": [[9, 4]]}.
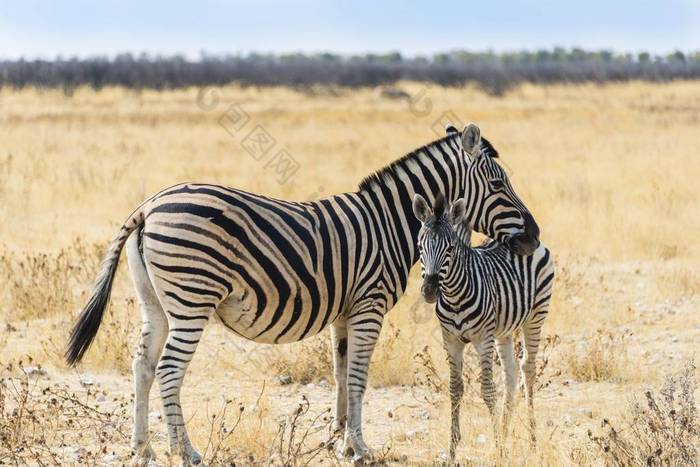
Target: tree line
{"points": [[494, 72]]}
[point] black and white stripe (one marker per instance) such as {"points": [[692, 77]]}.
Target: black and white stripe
{"points": [[483, 296], [277, 271]]}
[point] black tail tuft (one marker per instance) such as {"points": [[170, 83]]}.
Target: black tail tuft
{"points": [[84, 331]]}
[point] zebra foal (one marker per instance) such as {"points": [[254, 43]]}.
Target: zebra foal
{"points": [[483, 296]]}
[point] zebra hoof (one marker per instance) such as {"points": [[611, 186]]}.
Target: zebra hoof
{"points": [[143, 455], [366, 458], [192, 458]]}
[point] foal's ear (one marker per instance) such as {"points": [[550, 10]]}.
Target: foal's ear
{"points": [[421, 208], [457, 212], [471, 140]]}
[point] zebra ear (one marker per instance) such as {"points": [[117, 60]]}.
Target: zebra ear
{"points": [[471, 140], [450, 129], [421, 208], [457, 212]]}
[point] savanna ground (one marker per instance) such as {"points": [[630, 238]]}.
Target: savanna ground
{"points": [[610, 173]]}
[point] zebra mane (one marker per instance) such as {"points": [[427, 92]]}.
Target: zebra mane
{"points": [[488, 148], [392, 170]]}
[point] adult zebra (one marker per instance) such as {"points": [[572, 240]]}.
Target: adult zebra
{"points": [[277, 271], [483, 296]]}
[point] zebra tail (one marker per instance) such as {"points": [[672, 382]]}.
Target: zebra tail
{"points": [[85, 329]]}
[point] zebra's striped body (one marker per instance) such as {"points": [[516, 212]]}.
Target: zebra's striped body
{"points": [[483, 295], [276, 271]]}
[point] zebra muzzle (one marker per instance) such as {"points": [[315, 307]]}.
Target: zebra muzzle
{"points": [[429, 289]]}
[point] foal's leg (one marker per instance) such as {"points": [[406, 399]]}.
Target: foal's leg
{"points": [[485, 349], [455, 358], [531, 342], [154, 330], [506, 352]]}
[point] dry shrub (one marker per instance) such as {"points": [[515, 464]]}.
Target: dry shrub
{"points": [[296, 443], [39, 285], [48, 424], [661, 430], [310, 361], [392, 363], [237, 437], [602, 357]]}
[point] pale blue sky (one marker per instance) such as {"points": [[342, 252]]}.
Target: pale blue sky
{"points": [[35, 28]]}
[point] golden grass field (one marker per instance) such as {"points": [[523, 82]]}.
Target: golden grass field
{"points": [[610, 173]]}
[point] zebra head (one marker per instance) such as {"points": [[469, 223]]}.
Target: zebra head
{"points": [[492, 206], [436, 240]]}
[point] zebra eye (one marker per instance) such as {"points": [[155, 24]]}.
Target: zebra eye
{"points": [[497, 184]]}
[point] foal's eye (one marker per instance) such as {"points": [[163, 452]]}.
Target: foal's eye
{"points": [[497, 184]]}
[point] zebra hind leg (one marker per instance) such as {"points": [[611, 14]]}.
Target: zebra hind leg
{"points": [[154, 329], [186, 322]]}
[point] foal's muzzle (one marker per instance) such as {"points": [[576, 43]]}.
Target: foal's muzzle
{"points": [[429, 289]]}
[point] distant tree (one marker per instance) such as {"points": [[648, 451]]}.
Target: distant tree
{"points": [[677, 56]]}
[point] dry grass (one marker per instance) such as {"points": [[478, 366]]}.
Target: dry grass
{"points": [[603, 357], [664, 429], [610, 172]]}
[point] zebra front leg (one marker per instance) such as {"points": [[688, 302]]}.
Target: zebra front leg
{"points": [[485, 349], [363, 332], [339, 342], [154, 330], [455, 358], [531, 343], [183, 337], [506, 352]]}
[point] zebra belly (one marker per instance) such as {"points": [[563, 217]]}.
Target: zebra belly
{"points": [[238, 313]]}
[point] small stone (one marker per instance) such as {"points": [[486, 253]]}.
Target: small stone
{"points": [[110, 458], [101, 398], [324, 383], [74, 452], [416, 433], [421, 413], [568, 419], [480, 439], [549, 423], [154, 416], [586, 412], [87, 380], [284, 380], [33, 371]]}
